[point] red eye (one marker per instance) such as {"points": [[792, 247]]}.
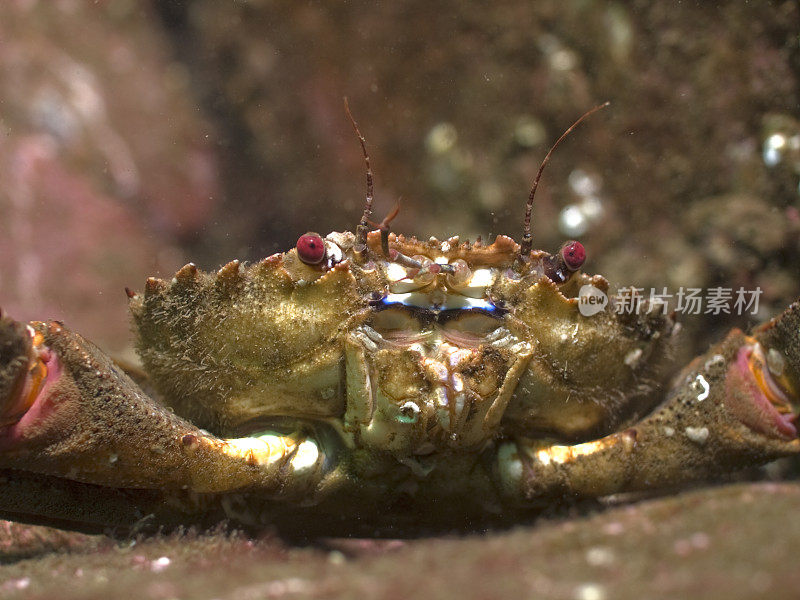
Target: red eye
{"points": [[311, 249], [574, 255]]}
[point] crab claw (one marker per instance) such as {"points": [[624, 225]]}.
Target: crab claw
{"points": [[735, 405], [781, 339], [67, 411], [15, 350], [763, 379], [760, 392], [21, 371], [29, 370]]}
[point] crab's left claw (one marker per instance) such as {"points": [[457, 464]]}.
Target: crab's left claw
{"points": [[781, 339], [733, 406]]}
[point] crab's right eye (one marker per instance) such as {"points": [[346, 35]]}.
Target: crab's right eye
{"points": [[311, 248], [574, 255]]}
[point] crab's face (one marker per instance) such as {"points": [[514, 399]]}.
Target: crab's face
{"points": [[435, 346]]}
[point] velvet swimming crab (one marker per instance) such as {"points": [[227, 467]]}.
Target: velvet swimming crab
{"points": [[367, 376]]}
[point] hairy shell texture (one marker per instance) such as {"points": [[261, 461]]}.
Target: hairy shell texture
{"points": [[375, 345]]}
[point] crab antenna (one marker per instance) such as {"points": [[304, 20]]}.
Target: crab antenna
{"points": [[384, 227], [363, 225], [527, 240]]}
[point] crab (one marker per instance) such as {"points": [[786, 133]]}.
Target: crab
{"points": [[370, 377]]}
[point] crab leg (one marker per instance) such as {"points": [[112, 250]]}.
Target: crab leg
{"points": [[727, 408], [67, 411]]}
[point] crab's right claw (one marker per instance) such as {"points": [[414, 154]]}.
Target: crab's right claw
{"points": [[16, 358], [67, 411]]}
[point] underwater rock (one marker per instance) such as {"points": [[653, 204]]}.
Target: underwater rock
{"points": [[104, 162]]}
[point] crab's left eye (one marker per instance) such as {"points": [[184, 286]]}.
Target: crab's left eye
{"points": [[311, 248], [574, 255]]}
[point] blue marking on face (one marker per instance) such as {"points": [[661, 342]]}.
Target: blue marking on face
{"points": [[453, 302]]}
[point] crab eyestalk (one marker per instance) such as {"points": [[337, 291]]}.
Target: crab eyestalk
{"points": [[569, 259]]}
